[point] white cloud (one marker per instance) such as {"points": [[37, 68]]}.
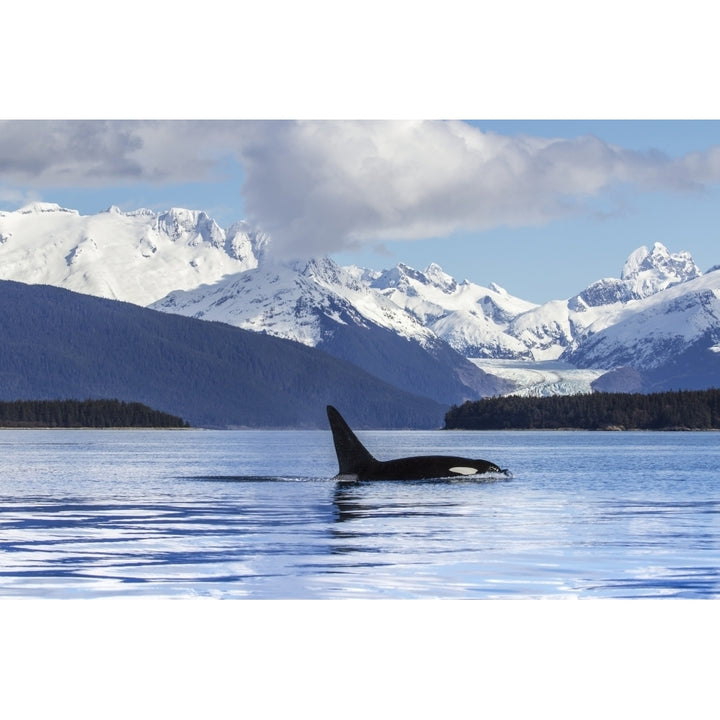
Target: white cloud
{"points": [[320, 186], [13, 196], [91, 153]]}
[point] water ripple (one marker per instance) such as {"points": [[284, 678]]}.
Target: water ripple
{"points": [[202, 514]]}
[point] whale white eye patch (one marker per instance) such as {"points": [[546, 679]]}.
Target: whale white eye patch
{"points": [[460, 470]]}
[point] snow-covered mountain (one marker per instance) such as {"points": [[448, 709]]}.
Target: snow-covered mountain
{"points": [[295, 302], [553, 328], [651, 332], [137, 256], [323, 305], [473, 319], [421, 328], [536, 348]]}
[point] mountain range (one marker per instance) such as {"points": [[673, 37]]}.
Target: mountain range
{"points": [[655, 327]]}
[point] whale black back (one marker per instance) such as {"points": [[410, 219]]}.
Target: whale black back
{"points": [[355, 460]]}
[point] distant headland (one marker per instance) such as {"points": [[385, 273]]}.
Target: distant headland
{"points": [[674, 410], [84, 414]]}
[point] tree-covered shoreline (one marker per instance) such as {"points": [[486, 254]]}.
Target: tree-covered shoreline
{"points": [[675, 410], [84, 414]]}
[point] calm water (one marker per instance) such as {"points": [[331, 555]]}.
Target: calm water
{"points": [[254, 514]]}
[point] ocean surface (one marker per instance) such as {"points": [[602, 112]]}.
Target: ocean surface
{"points": [[257, 514]]}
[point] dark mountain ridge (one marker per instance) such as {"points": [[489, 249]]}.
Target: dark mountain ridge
{"points": [[57, 344]]}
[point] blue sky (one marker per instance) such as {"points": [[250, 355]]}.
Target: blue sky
{"points": [[490, 201]]}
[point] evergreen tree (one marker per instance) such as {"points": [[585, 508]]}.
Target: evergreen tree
{"points": [[686, 409], [87, 413]]}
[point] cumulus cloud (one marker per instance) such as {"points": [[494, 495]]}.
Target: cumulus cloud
{"points": [[322, 186], [60, 153], [89, 153]]}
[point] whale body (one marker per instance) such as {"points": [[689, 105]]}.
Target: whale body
{"points": [[356, 462]]}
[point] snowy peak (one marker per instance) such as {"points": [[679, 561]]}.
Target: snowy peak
{"points": [[399, 277], [471, 318], [440, 279], [327, 273], [246, 245], [44, 207], [190, 226], [649, 271], [646, 272], [601, 293], [137, 256], [115, 210], [406, 279], [655, 330]]}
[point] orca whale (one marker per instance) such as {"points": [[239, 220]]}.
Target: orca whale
{"points": [[356, 462]]}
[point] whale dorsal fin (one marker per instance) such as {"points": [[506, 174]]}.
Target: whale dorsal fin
{"points": [[351, 453]]}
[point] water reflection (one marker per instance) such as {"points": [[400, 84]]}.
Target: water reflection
{"points": [[355, 501]]}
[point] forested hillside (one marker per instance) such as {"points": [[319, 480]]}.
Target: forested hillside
{"points": [[84, 413], [58, 344], [686, 409]]}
